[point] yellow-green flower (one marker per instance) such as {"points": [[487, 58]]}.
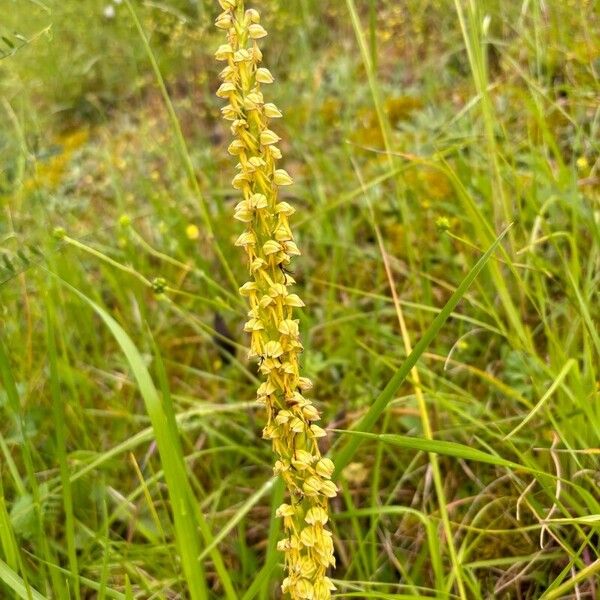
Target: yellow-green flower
{"points": [[269, 245]]}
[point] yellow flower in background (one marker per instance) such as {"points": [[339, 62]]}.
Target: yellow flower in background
{"points": [[192, 232], [582, 163]]}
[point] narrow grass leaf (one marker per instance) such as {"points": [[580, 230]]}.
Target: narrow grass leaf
{"points": [[171, 455], [437, 447], [559, 379], [16, 584]]}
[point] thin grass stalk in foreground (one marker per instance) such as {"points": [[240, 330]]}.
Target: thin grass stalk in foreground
{"points": [[269, 246]]}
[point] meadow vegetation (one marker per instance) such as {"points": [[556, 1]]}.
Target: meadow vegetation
{"points": [[446, 186]]}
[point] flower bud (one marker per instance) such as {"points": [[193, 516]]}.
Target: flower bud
{"points": [[325, 468], [256, 31], [315, 515], [264, 76], [224, 21], [226, 89], [311, 486], [268, 137], [224, 52], [282, 177], [329, 489], [271, 111], [252, 16]]}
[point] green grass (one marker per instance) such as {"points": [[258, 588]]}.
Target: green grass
{"points": [[457, 373]]}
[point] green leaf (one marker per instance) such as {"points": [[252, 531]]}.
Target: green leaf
{"points": [[16, 584], [437, 447]]}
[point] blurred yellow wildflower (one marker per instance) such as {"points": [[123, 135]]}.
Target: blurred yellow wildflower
{"points": [[192, 232]]}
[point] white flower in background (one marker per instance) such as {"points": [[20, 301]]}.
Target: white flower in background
{"points": [[109, 11]]}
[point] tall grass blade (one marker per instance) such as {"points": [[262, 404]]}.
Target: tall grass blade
{"points": [[16, 584], [171, 456]]}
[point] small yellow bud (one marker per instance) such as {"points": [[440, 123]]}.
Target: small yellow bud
{"points": [[310, 413], [228, 4], [302, 460], [242, 55], [273, 349], [277, 289], [271, 111], [240, 180], [305, 384], [285, 208], [256, 98], [294, 300], [325, 468], [236, 147], [311, 486], [270, 432], [246, 239], [280, 467], [298, 425], [291, 248], [264, 76], [257, 162], [238, 125], [258, 201], [243, 212], [271, 247], [257, 265], [283, 417], [256, 31], [266, 388], [284, 546], [265, 301], [285, 510], [289, 327], [249, 105], [323, 589], [268, 137], [228, 73], [308, 567], [257, 55], [315, 515], [317, 431], [281, 177], [252, 15], [329, 489], [248, 288], [226, 89], [253, 325], [308, 537], [297, 399], [224, 51], [229, 113], [224, 21]]}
